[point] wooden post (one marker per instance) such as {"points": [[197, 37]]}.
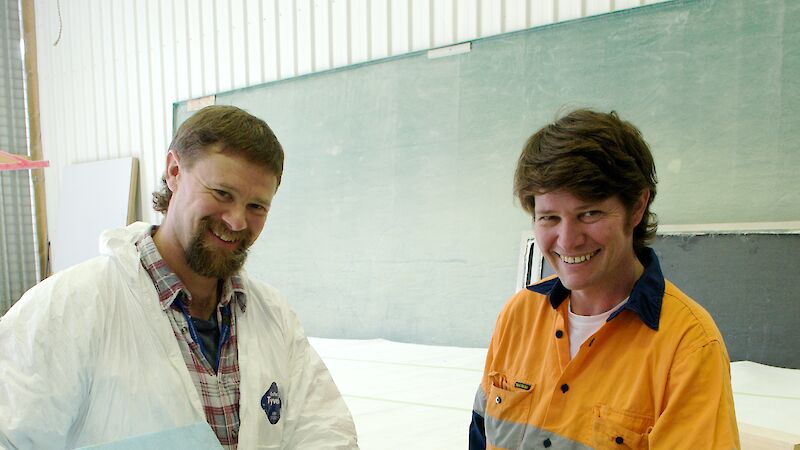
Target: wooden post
{"points": [[35, 137]]}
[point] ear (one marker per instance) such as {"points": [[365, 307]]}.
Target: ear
{"points": [[173, 170], [639, 208]]}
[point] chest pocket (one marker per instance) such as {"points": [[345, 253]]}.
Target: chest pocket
{"points": [[617, 429], [507, 412]]}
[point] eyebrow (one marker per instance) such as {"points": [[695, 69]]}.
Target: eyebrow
{"points": [[262, 201], [581, 207]]}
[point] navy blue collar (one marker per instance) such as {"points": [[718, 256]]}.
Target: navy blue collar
{"points": [[645, 299]]}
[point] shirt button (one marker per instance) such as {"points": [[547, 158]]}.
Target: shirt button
{"points": [[498, 400], [564, 387], [619, 440], [547, 443], [559, 334]]}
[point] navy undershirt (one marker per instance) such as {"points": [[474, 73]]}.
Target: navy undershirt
{"points": [[208, 331]]}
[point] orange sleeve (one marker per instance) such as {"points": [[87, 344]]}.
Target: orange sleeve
{"points": [[699, 412]]}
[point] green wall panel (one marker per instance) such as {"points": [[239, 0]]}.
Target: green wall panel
{"points": [[396, 219]]}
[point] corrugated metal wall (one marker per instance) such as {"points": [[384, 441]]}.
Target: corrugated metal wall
{"points": [[17, 245], [109, 70]]}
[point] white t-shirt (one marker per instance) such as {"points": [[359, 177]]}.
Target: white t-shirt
{"points": [[581, 327]]}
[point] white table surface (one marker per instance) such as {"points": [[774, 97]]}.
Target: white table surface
{"points": [[420, 396]]}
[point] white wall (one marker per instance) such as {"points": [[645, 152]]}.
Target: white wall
{"points": [[107, 86]]}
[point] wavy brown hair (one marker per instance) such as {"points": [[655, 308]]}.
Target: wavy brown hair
{"points": [[594, 156], [239, 132]]}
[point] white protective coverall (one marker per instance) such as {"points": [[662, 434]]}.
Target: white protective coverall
{"points": [[87, 356]]}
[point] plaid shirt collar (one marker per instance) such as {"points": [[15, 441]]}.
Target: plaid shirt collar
{"points": [[169, 286]]}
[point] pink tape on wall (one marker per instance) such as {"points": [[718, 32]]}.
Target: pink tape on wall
{"points": [[10, 161]]}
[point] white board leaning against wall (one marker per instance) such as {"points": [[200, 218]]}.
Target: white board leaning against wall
{"points": [[94, 196], [532, 266]]}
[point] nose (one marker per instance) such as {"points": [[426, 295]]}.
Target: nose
{"points": [[571, 235], [235, 218]]}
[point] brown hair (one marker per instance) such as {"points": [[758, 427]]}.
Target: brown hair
{"points": [[594, 156], [239, 133]]}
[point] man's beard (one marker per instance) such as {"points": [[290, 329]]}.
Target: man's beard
{"points": [[213, 262]]}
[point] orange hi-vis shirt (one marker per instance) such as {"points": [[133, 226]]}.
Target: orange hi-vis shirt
{"points": [[656, 375]]}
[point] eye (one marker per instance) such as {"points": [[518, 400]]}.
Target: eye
{"points": [[258, 209], [546, 220], [221, 195], [591, 216]]}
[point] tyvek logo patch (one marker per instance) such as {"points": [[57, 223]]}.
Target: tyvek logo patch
{"points": [[271, 404]]}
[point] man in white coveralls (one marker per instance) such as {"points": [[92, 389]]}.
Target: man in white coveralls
{"points": [[165, 329]]}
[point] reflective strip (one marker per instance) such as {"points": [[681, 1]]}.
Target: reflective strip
{"points": [[479, 406], [509, 435], [535, 436], [500, 433]]}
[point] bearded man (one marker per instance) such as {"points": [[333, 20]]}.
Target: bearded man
{"points": [[165, 329]]}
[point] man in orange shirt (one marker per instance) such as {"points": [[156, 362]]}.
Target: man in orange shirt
{"points": [[608, 353]]}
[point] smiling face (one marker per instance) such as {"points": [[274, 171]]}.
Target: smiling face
{"points": [[589, 244], [218, 208]]}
